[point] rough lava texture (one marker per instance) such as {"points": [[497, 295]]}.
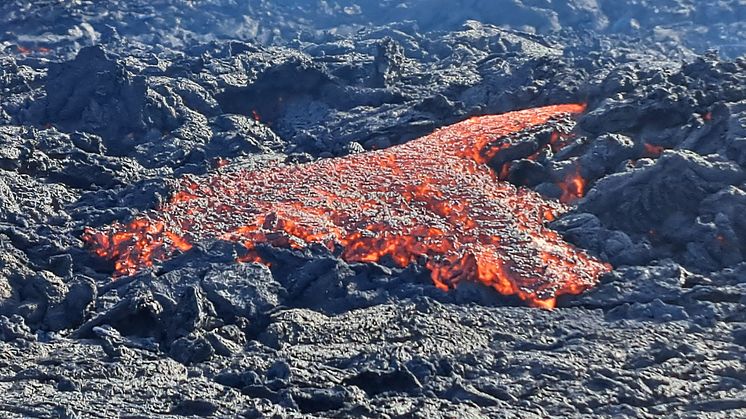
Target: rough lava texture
{"points": [[108, 106], [432, 199]]}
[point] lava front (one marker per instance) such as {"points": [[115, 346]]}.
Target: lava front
{"points": [[432, 201]]}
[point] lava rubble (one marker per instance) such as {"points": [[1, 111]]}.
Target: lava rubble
{"points": [[110, 109], [433, 197]]}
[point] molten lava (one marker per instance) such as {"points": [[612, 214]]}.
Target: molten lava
{"points": [[30, 50], [573, 186], [652, 150], [432, 201]]}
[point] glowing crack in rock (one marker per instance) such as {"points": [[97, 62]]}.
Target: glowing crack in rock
{"points": [[432, 201]]}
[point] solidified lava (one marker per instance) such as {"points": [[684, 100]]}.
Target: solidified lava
{"points": [[432, 201]]}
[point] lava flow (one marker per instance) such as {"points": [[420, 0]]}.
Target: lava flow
{"points": [[573, 186], [432, 201]]}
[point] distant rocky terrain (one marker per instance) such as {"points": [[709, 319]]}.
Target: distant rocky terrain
{"points": [[106, 105]]}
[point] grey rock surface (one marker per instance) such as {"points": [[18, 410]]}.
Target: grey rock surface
{"points": [[105, 105]]}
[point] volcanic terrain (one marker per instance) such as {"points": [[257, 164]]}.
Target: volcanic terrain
{"points": [[347, 208]]}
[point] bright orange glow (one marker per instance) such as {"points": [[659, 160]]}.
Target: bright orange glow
{"points": [[558, 140], [220, 162], [653, 151], [431, 201], [28, 50], [504, 171], [573, 186]]}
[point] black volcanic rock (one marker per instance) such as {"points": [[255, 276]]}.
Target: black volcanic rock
{"points": [[96, 93], [246, 291], [105, 105]]}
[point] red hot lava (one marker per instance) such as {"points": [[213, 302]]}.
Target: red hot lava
{"points": [[30, 50], [432, 201], [573, 186], [653, 151]]}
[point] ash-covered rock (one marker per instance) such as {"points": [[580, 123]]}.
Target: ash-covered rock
{"points": [[105, 105]]}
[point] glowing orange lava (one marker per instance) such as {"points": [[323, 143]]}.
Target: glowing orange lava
{"points": [[653, 151], [431, 201], [220, 162], [29, 50], [573, 186]]}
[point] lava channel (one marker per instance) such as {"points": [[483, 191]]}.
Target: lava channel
{"points": [[432, 201]]}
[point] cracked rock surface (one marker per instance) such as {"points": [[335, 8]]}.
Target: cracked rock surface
{"points": [[105, 105]]}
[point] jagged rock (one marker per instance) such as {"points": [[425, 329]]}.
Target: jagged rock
{"points": [[191, 350], [73, 308], [103, 110], [14, 328], [247, 290]]}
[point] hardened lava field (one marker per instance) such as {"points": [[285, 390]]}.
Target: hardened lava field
{"points": [[432, 200], [298, 208]]}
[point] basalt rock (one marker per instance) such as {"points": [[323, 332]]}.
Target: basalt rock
{"points": [[107, 110]]}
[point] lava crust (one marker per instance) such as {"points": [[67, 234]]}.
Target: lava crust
{"points": [[178, 137], [431, 199]]}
